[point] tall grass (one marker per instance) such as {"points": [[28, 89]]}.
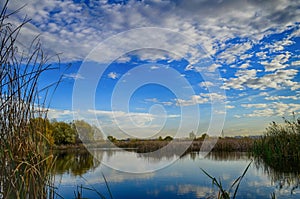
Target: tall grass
{"points": [[280, 142], [25, 162]]}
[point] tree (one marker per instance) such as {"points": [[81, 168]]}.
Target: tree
{"points": [[63, 133], [97, 133], [168, 138], [84, 130], [204, 135], [192, 135], [111, 138]]}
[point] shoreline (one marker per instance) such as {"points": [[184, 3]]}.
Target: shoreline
{"points": [[146, 146]]}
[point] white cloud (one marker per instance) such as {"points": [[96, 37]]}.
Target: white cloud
{"points": [[281, 97], [74, 76], [234, 52], [75, 28], [242, 77], [229, 107], [154, 100], [195, 99], [123, 59], [206, 84], [154, 67], [295, 63], [263, 94], [278, 80], [200, 99], [277, 63], [113, 75], [60, 114], [278, 45], [167, 103], [261, 113], [262, 55], [254, 105], [220, 112], [213, 67], [244, 65], [273, 109]]}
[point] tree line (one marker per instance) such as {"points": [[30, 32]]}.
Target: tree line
{"points": [[63, 133]]}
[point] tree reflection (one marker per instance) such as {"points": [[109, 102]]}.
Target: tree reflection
{"points": [[75, 162]]}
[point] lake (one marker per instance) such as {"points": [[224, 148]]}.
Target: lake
{"points": [[173, 177]]}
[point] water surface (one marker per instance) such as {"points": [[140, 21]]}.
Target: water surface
{"points": [[80, 171]]}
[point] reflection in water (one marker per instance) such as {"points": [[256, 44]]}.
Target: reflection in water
{"points": [[183, 179], [285, 176], [228, 156], [75, 162]]}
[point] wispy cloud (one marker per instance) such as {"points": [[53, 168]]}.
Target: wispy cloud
{"points": [[74, 76], [113, 75], [200, 99]]}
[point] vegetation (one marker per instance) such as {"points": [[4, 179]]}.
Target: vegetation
{"points": [[64, 133], [85, 131], [280, 143], [75, 163], [223, 193], [243, 144], [24, 135]]}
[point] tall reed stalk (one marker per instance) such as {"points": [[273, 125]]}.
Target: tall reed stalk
{"points": [[25, 161], [280, 142]]}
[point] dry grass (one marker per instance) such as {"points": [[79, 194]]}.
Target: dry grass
{"points": [[224, 144], [25, 162]]}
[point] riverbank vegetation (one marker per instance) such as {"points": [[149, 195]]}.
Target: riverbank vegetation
{"points": [[280, 143], [228, 144]]}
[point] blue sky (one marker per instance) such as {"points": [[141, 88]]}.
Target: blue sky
{"points": [[189, 63]]}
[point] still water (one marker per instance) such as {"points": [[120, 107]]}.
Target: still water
{"points": [[80, 172]]}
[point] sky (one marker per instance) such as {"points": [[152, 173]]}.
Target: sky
{"points": [[160, 67]]}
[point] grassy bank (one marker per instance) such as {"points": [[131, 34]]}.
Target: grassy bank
{"points": [[222, 144], [230, 144]]}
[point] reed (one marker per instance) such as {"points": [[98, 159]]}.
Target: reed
{"points": [[227, 194], [280, 143], [79, 193], [25, 161]]}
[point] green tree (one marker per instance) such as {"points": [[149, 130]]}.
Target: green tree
{"points": [[84, 130], [192, 135], [168, 138], [63, 133], [97, 133], [111, 138], [204, 135]]}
